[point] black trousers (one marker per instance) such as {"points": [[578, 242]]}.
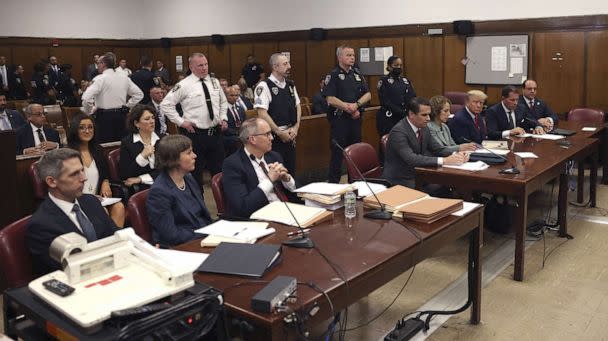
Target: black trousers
{"points": [[209, 150], [111, 124], [345, 131], [288, 152]]}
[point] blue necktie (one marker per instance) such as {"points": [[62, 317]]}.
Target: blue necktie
{"points": [[85, 224]]}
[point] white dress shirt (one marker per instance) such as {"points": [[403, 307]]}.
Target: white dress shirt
{"points": [[126, 71], [67, 207], [264, 182], [507, 133], [4, 75], [35, 132], [5, 123], [92, 173], [144, 161], [189, 92], [161, 118], [110, 91]]}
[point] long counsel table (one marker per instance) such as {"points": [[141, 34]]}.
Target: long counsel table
{"points": [[370, 253], [551, 164]]}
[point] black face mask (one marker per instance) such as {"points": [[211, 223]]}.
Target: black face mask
{"points": [[396, 72]]}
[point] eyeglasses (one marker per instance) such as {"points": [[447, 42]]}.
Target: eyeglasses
{"points": [[268, 134], [85, 128], [38, 114]]}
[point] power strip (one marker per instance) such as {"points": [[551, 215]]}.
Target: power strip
{"points": [[405, 330]]}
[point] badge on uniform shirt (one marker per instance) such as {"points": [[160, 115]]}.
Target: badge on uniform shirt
{"points": [[275, 90], [176, 87], [33, 84], [341, 76], [215, 84], [45, 81], [73, 81], [327, 79], [357, 78], [379, 84], [18, 80], [258, 90], [255, 67], [405, 80], [390, 80]]}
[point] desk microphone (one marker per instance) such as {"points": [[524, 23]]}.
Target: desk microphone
{"points": [[303, 241], [375, 214], [512, 170]]}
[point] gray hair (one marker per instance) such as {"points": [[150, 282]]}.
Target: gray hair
{"points": [[51, 163], [28, 109], [109, 60], [248, 128], [341, 48], [274, 58], [197, 55]]}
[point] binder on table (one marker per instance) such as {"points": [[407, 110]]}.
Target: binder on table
{"points": [[250, 260]]}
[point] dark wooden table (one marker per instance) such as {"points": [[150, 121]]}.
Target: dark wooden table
{"points": [[550, 165], [370, 254]]}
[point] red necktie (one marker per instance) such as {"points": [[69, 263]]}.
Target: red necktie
{"points": [[419, 135], [277, 189], [477, 122]]}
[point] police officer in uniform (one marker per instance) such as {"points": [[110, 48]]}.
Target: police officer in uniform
{"points": [[277, 102], [394, 92], [252, 71], [204, 105], [144, 78], [42, 91], [16, 86], [66, 87], [108, 93], [346, 92]]}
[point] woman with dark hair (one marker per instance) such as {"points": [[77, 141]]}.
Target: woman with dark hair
{"points": [[394, 92], [81, 137], [175, 203], [136, 165], [440, 112]]}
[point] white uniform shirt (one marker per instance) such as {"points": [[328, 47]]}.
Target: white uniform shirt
{"points": [[109, 91], [189, 92], [264, 182], [126, 71], [263, 96]]}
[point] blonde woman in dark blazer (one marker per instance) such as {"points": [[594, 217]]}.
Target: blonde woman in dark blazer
{"points": [[440, 112]]}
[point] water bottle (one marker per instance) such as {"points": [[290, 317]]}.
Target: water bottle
{"points": [[350, 205]]}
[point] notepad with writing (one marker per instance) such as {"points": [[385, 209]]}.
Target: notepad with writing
{"points": [[250, 260], [394, 197]]}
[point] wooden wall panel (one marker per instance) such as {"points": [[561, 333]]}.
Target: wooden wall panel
{"points": [[170, 64], [560, 81], [219, 60], [262, 52], [8, 54], [297, 51], [69, 55], [321, 58], [87, 56], [597, 70], [397, 44], [28, 56], [494, 93], [453, 70], [238, 58], [203, 48], [424, 64], [131, 54]]}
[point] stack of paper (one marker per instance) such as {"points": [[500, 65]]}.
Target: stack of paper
{"points": [[363, 190], [277, 212], [394, 198], [323, 194], [234, 232], [470, 166], [429, 210]]}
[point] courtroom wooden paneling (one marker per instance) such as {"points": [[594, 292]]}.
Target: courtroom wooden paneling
{"points": [[131, 54], [28, 56], [597, 70], [494, 93], [560, 81], [8, 54], [321, 57], [202, 48], [453, 69], [262, 52], [219, 60], [87, 56], [423, 64], [170, 64], [164, 55], [397, 44], [238, 58], [298, 61], [69, 55]]}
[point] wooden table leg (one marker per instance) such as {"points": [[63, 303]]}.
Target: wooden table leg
{"points": [[562, 205], [593, 181], [520, 236], [475, 240], [604, 153], [580, 183]]}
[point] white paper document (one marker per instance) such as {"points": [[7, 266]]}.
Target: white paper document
{"points": [[499, 58], [237, 229], [495, 151], [526, 155], [543, 136], [379, 54], [470, 166], [109, 201], [277, 212], [324, 188], [363, 190], [364, 55], [589, 129], [185, 259], [517, 65], [466, 208]]}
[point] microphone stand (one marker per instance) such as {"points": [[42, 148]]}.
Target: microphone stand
{"points": [[512, 170], [302, 241], [374, 214]]}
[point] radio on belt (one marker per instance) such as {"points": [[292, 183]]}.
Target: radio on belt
{"points": [[274, 293]]}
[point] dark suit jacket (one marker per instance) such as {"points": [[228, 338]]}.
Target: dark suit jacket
{"points": [[497, 121], [15, 119], [233, 130], [54, 77], [404, 152], [144, 79], [172, 220], [462, 126], [49, 222], [91, 72], [164, 75], [241, 192], [541, 110], [16, 88], [25, 137], [319, 104], [247, 102], [127, 166]]}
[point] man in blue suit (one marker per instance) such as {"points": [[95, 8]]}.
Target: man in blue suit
{"points": [[236, 116], [504, 120], [254, 175], [65, 208], [535, 108], [9, 119], [468, 125], [35, 138]]}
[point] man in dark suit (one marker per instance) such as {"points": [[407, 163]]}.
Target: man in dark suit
{"points": [[534, 108], [65, 209], [504, 120], [157, 94], [236, 116], [254, 175], [91, 71], [144, 78], [319, 103], [54, 72], [35, 138], [16, 86], [162, 73], [9, 119], [411, 145], [468, 124]]}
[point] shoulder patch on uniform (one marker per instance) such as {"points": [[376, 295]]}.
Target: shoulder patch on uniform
{"points": [[258, 90], [327, 79], [176, 87], [379, 84]]}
